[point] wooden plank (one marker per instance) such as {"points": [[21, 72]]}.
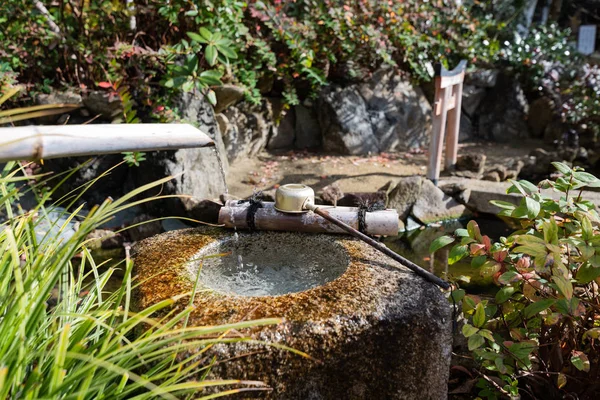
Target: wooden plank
{"points": [[453, 128], [438, 131], [53, 141]]}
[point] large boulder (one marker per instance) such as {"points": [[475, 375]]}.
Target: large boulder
{"points": [[283, 135], [372, 328], [107, 105], [227, 95], [198, 174], [401, 194], [503, 112], [308, 131], [245, 129], [433, 205], [345, 122], [385, 113], [471, 99]]}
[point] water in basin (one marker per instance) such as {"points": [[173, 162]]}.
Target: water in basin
{"points": [[272, 265]]}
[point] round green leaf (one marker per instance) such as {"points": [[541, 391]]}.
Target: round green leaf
{"points": [[440, 242]]}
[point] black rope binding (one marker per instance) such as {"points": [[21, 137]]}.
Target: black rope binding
{"points": [[363, 209], [255, 203]]}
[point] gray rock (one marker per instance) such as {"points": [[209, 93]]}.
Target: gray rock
{"points": [[433, 205], [308, 131], [55, 225], [377, 332], [106, 104], [484, 78], [399, 112], [198, 174], [227, 95], [345, 122], [65, 97], [246, 129], [457, 191], [104, 239], [465, 130], [471, 162], [284, 134], [411, 224], [144, 226], [195, 109], [493, 176], [541, 114], [386, 113], [502, 113], [471, 99], [402, 194]]}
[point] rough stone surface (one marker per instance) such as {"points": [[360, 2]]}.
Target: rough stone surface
{"points": [[402, 194], [227, 95], [144, 226], [541, 114], [399, 112], [472, 97], [284, 134], [104, 239], [65, 97], [308, 131], [485, 78], [344, 121], [465, 130], [196, 110], [433, 205], [197, 172], [379, 332], [386, 113], [503, 111], [107, 105], [471, 162], [245, 129]]}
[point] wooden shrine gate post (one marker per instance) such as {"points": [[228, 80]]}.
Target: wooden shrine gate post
{"points": [[446, 109]]}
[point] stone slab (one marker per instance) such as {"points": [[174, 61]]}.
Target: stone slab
{"points": [[482, 192]]}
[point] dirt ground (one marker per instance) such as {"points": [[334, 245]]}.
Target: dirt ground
{"points": [[352, 173]]}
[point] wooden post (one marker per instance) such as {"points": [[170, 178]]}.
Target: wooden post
{"points": [[446, 108]]}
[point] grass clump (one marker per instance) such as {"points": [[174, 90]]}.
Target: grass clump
{"points": [[62, 337]]}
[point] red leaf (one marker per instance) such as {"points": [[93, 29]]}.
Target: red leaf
{"points": [[105, 85]]}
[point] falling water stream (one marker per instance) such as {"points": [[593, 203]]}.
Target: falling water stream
{"points": [[237, 255]]}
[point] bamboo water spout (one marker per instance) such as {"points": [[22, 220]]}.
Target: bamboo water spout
{"points": [[55, 141]]}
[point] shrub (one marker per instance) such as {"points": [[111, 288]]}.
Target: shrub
{"points": [[544, 320], [62, 336]]}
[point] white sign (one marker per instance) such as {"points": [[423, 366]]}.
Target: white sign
{"points": [[587, 39]]}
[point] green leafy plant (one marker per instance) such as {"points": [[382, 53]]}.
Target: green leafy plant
{"points": [[544, 320], [63, 336]]}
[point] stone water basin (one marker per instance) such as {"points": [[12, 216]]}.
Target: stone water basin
{"points": [[374, 331]]}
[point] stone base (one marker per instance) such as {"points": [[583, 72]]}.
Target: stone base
{"points": [[377, 331]]}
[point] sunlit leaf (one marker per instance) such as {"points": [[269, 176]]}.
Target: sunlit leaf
{"points": [[580, 360], [440, 242], [479, 316], [469, 330], [475, 342], [537, 307]]}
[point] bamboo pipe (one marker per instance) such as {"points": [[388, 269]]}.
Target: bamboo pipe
{"points": [[37, 142], [408, 264], [233, 215]]}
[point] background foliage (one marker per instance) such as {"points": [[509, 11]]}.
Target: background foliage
{"points": [[540, 332], [281, 48]]}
